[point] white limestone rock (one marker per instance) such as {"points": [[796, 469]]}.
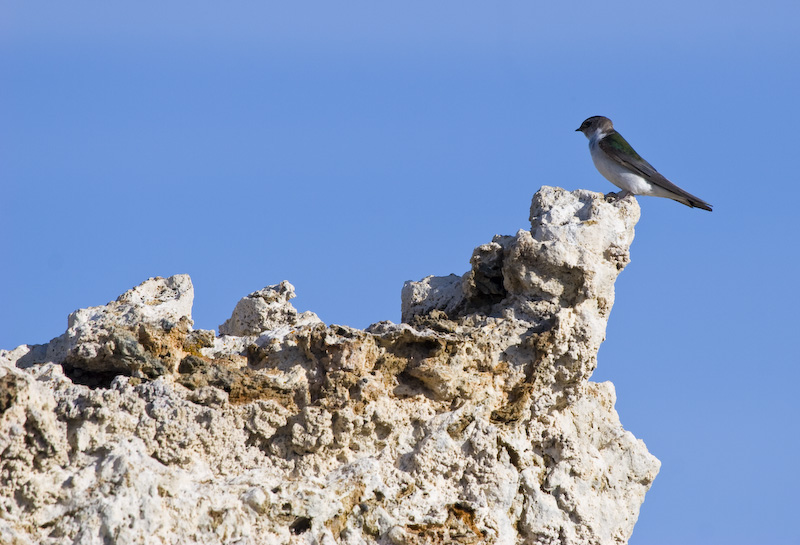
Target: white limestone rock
{"points": [[474, 422], [432, 292], [265, 310], [137, 333]]}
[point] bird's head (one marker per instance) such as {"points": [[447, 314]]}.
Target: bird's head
{"points": [[596, 127]]}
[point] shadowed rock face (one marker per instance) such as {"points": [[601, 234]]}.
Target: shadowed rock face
{"points": [[471, 422]]}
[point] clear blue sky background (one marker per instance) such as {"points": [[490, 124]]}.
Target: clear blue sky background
{"points": [[350, 146]]}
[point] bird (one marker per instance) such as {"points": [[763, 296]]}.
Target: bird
{"points": [[619, 163]]}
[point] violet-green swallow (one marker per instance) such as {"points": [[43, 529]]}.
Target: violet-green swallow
{"points": [[619, 163]]}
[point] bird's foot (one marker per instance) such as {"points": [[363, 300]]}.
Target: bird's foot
{"points": [[614, 197]]}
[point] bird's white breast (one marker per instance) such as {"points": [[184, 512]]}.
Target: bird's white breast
{"points": [[616, 173]]}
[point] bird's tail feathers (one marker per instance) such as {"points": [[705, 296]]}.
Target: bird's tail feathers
{"points": [[693, 202]]}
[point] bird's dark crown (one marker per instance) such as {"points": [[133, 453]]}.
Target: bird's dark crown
{"points": [[596, 122]]}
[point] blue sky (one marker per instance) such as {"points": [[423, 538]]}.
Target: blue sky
{"points": [[350, 146]]}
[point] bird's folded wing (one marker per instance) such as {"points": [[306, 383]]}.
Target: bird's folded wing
{"points": [[620, 151]]}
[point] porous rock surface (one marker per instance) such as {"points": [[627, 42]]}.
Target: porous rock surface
{"points": [[473, 421]]}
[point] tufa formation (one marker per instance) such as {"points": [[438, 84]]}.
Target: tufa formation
{"points": [[473, 421]]}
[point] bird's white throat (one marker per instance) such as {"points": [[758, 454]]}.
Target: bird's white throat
{"points": [[596, 136]]}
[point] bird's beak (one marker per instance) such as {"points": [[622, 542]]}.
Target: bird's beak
{"points": [[577, 130]]}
